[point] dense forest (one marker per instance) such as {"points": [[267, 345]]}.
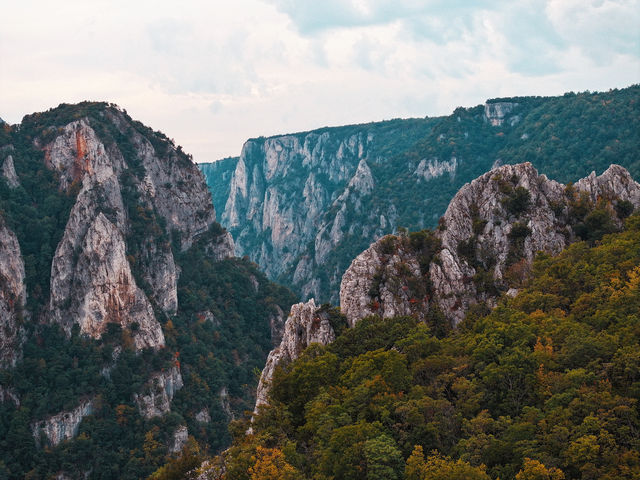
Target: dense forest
{"points": [[218, 338], [545, 386]]}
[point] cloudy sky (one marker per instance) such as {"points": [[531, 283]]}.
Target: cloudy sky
{"points": [[211, 74]]}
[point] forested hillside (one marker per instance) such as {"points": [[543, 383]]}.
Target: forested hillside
{"points": [[545, 386], [132, 331], [304, 205]]}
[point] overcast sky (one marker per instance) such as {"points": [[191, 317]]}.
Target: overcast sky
{"points": [[211, 74]]}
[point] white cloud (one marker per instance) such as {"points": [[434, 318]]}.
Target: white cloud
{"points": [[212, 75]]}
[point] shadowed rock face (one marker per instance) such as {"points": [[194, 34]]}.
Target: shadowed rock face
{"points": [[12, 296], [496, 224]]}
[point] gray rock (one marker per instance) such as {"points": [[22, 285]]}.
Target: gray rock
{"points": [[62, 426], [303, 327], [155, 399], [496, 112], [477, 216], [9, 172], [179, 439], [103, 290], [13, 295], [203, 416]]}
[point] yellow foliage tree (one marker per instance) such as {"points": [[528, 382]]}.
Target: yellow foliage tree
{"points": [[535, 470], [270, 464]]}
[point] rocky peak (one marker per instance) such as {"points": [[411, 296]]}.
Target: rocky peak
{"points": [[488, 238], [304, 326], [12, 296]]}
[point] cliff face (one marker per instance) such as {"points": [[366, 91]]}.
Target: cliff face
{"points": [[91, 279], [63, 426], [303, 206], [488, 237], [12, 296], [155, 398], [295, 200], [304, 326]]}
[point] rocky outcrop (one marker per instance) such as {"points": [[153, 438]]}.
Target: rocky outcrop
{"points": [[203, 416], [63, 426], [12, 296], [92, 287], [179, 439], [488, 237], [305, 325], [103, 290], [496, 112], [9, 172], [290, 192], [155, 399], [377, 282]]}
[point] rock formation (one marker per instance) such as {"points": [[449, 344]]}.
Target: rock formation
{"points": [[155, 398], [12, 296], [294, 199], [92, 287], [490, 233], [179, 439], [9, 172], [62, 426], [305, 325]]}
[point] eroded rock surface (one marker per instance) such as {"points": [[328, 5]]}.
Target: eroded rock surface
{"points": [[305, 325], [12, 296], [62, 426], [155, 399], [489, 235]]}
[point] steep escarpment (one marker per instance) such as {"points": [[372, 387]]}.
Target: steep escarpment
{"points": [[302, 206], [118, 285], [485, 243], [538, 387], [12, 296], [305, 325]]}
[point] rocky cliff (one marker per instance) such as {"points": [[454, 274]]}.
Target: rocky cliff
{"points": [[118, 285], [305, 325], [12, 296], [296, 199], [62, 426], [486, 241], [155, 398], [92, 285], [302, 206]]}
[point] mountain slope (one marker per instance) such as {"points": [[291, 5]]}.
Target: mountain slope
{"points": [[303, 205], [542, 385], [127, 323]]}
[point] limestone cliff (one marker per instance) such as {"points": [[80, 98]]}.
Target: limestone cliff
{"points": [[304, 326], [487, 239], [91, 287], [157, 394], [12, 296], [304, 205], [62, 426], [296, 200]]}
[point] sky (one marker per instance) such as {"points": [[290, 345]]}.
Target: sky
{"points": [[211, 74]]}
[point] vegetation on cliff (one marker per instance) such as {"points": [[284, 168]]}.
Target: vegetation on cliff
{"points": [[546, 385]]}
